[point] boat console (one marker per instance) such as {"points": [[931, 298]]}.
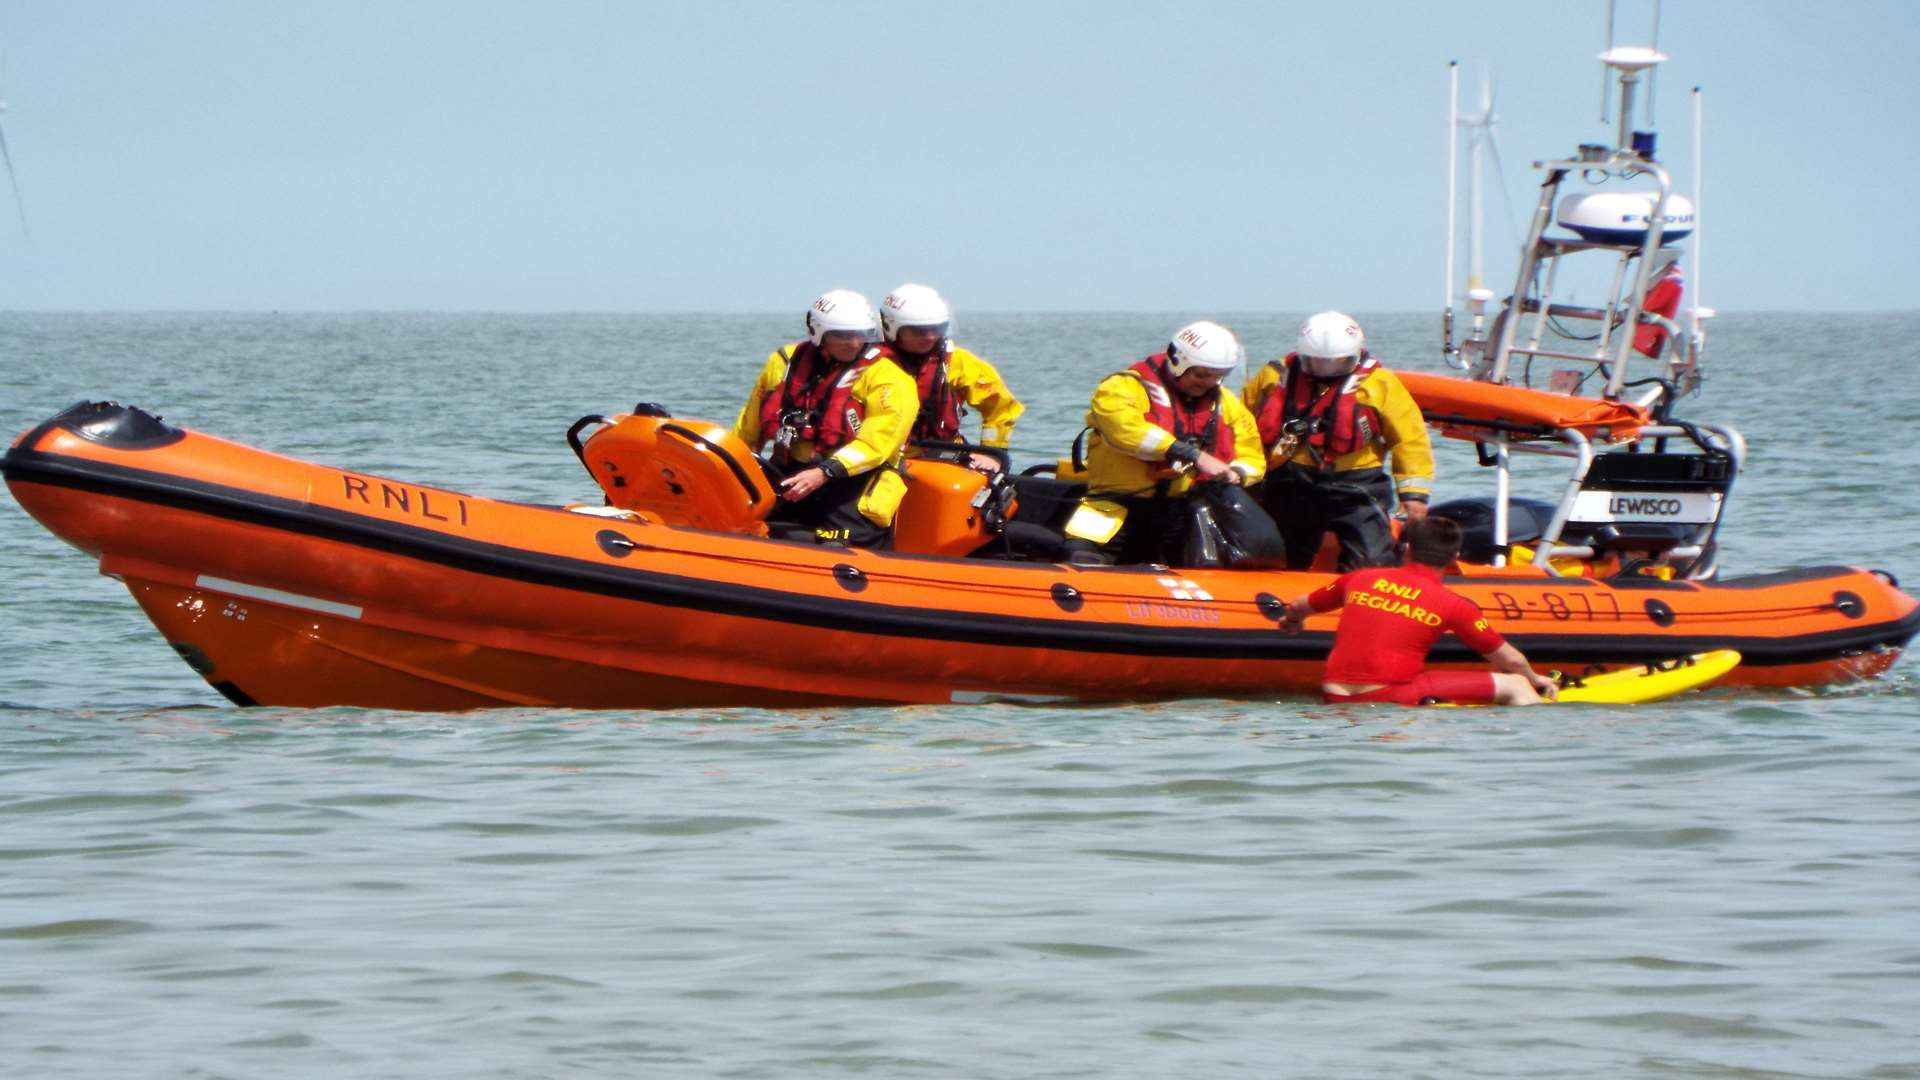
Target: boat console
{"points": [[1645, 488]]}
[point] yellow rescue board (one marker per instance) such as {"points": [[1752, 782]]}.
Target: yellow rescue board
{"points": [[1632, 686], [1638, 685]]}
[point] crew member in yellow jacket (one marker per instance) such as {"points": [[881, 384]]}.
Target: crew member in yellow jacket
{"points": [[917, 320], [1159, 428], [837, 411], [1330, 417]]}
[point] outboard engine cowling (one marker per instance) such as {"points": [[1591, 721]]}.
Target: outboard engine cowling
{"points": [[685, 472]]}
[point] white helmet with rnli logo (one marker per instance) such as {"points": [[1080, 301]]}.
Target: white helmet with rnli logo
{"points": [[915, 305], [1204, 344], [1330, 345], [841, 311]]}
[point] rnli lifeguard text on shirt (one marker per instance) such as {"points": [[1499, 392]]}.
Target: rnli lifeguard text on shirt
{"points": [[1398, 600], [412, 501]]}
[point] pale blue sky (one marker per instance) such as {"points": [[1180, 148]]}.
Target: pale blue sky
{"points": [[683, 156]]}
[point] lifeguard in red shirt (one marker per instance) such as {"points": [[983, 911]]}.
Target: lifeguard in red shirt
{"points": [[1394, 615]]}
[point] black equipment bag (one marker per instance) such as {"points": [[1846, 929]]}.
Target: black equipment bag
{"points": [[1227, 527]]}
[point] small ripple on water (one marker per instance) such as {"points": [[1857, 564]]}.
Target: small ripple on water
{"points": [[1079, 950], [1661, 963], [1375, 874], [287, 1041], [538, 978], [1623, 838], [1260, 994], [75, 928], [1771, 914], [1529, 909], [1713, 989], [524, 858], [1776, 946], [1693, 1026], [72, 804], [205, 974], [1379, 933], [935, 988], [304, 1004], [1517, 965]]}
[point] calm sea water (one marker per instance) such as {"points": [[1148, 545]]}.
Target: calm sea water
{"points": [[1723, 886]]}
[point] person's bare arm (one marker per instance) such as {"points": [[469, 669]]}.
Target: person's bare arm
{"points": [[1512, 661]]}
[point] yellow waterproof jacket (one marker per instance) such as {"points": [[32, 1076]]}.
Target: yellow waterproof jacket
{"points": [[1127, 454], [978, 385], [889, 402], [1403, 433]]}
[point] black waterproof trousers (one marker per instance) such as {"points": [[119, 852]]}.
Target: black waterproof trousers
{"points": [[1356, 506], [830, 515]]}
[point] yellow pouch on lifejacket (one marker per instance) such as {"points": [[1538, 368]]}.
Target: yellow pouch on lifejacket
{"points": [[1096, 520], [1064, 470], [882, 498], [1523, 555]]}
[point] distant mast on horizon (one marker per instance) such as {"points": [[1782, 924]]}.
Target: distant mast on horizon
{"points": [[13, 182]]}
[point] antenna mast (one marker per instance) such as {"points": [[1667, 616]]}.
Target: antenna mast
{"points": [[13, 182], [1447, 351]]}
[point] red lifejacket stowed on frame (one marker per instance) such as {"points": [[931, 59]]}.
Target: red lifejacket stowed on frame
{"points": [[1663, 299], [1345, 424], [1170, 412], [823, 391], [939, 417]]}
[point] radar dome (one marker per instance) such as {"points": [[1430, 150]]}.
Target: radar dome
{"points": [[1621, 217]]}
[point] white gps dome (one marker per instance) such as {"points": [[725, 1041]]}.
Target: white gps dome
{"points": [[1621, 217]]}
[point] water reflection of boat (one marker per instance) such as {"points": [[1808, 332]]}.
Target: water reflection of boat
{"points": [[285, 582]]}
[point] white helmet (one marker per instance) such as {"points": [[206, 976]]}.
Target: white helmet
{"points": [[915, 305], [1204, 344], [841, 311], [1330, 345]]}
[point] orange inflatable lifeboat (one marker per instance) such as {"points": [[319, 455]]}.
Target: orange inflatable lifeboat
{"points": [[285, 582]]}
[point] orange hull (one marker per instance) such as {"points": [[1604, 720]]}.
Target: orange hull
{"points": [[288, 583]]}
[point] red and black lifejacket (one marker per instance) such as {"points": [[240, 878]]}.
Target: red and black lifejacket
{"points": [[1336, 422], [939, 417], [1201, 421], [816, 399]]}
